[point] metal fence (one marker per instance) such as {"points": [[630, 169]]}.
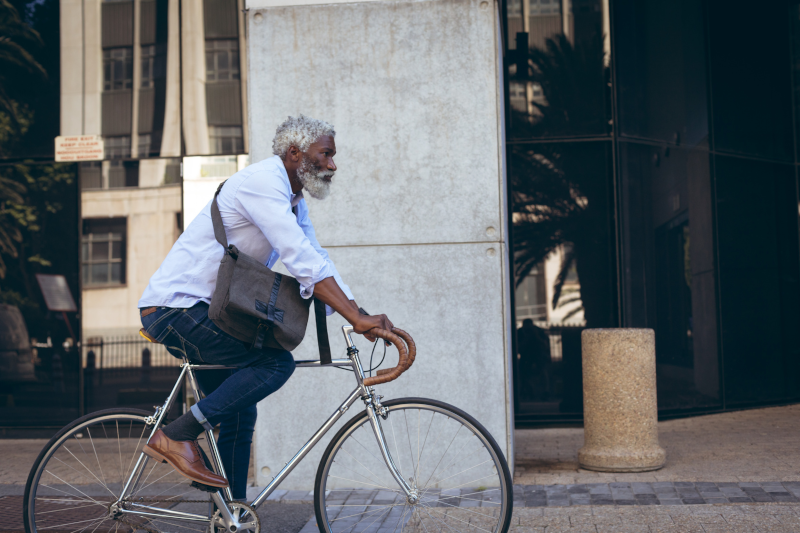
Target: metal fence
{"points": [[124, 352]]}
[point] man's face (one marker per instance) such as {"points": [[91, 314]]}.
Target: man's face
{"points": [[317, 167]]}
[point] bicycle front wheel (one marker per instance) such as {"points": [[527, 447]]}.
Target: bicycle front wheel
{"points": [[446, 456], [76, 482]]}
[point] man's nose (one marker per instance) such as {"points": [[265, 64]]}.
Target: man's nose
{"points": [[331, 164]]}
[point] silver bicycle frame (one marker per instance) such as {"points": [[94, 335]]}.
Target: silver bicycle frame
{"points": [[367, 395]]}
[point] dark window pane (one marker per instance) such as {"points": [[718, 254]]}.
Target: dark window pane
{"points": [[668, 260], [750, 78], [557, 69], [85, 251], [107, 249], [661, 70], [759, 286], [210, 63], [116, 272], [564, 269], [100, 250], [99, 273]]}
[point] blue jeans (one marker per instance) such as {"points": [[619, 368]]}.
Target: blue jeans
{"points": [[230, 395]]}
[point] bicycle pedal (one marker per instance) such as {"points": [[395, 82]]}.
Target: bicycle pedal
{"points": [[204, 488]]}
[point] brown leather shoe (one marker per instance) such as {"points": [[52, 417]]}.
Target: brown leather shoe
{"points": [[183, 456]]}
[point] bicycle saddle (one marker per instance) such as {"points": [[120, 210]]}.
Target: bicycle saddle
{"points": [[143, 333]]}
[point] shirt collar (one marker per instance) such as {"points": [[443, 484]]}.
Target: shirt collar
{"points": [[295, 197]]}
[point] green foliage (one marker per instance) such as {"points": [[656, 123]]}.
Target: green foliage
{"points": [[16, 37], [26, 305], [31, 198]]}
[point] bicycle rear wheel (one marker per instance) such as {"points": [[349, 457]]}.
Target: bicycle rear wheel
{"points": [[80, 474], [459, 472]]}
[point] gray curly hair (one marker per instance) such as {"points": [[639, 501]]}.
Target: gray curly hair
{"points": [[301, 131]]}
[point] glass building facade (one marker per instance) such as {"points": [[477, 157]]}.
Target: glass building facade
{"points": [[652, 153]]}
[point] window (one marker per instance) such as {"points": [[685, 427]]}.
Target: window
{"points": [[117, 147], [117, 69], [226, 139], [91, 174], [103, 252], [154, 64], [123, 174], [545, 7], [172, 171], [222, 60], [149, 144]]}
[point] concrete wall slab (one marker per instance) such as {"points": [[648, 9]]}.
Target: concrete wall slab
{"points": [[412, 90], [449, 298]]}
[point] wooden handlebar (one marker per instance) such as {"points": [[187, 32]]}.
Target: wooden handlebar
{"points": [[405, 347]]}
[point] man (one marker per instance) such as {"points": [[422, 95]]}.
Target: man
{"points": [[266, 217]]}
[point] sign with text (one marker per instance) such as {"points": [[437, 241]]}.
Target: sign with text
{"points": [[79, 148], [56, 292]]}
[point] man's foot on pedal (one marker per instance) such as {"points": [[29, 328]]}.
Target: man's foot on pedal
{"points": [[185, 457]]}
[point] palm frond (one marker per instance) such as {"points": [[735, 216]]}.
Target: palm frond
{"points": [[572, 313], [566, 263]]}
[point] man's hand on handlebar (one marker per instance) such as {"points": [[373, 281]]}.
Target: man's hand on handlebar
{"points": [[364, 323], [329, 292]]}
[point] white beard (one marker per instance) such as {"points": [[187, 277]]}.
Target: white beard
{"points": [[312, 178]]}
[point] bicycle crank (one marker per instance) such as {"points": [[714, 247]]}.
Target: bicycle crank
{"points": [[243, 514]]}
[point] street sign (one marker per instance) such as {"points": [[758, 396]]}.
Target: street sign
{"points": [[79, 148], [56, 292]]}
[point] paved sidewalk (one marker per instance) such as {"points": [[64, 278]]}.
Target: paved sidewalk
{"points": [[754, 445], [735, 472]]}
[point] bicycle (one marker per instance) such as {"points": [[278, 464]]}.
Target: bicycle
{"points": [[410, 464]]}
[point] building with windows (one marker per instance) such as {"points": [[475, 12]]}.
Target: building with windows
{"points": [[161, 81]]}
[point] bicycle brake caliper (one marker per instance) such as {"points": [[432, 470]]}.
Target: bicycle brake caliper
{"points": [[380, 409], [150, 420]]}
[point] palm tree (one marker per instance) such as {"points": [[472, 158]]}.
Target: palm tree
{"points": [[560, 190], [14, 57], [14, 36], [10, 192]]}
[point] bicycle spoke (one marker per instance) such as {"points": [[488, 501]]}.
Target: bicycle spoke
{"points": [[77, 483], [458, 519], [102, 475], [359, 462], [87, 469], [444, 451]]}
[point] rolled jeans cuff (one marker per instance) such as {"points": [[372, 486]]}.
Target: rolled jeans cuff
{"points": [[198, 414]]}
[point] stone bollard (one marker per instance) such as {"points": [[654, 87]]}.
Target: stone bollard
{"points": [[619, 401]]}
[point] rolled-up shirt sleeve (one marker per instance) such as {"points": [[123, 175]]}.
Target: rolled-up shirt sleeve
{"points": [[267, 205]]}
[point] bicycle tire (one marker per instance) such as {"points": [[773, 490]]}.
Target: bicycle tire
{"points": [[359, 421], [79, 496]]}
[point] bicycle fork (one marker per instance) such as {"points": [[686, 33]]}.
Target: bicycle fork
{"points": [[374, 412]]}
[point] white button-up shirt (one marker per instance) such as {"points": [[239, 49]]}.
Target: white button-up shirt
{"points": [[256, 207]]}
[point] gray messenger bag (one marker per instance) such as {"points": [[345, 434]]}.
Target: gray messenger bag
{"points": [[260, 307]]}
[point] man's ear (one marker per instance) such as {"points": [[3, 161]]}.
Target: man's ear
{"points": [[294, 154]]}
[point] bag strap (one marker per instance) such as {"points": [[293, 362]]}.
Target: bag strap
{"points": [[320, 313], [321, 317], [216, 220]]}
